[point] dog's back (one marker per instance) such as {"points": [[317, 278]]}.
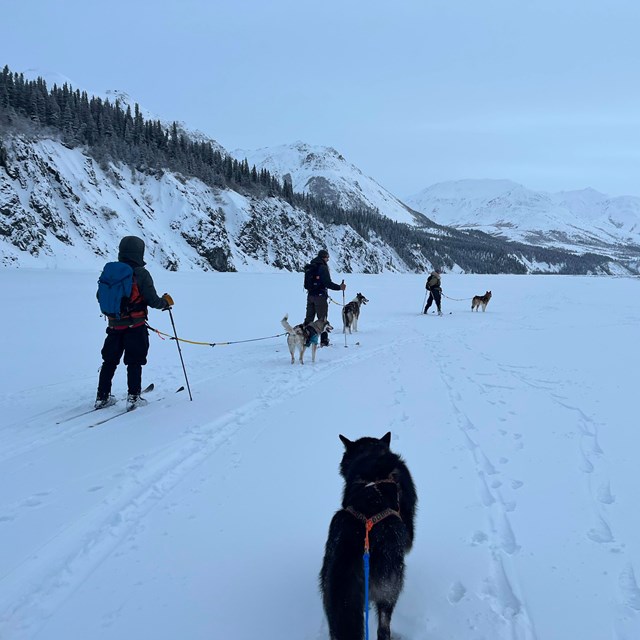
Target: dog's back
{"points": [[378, 485]]}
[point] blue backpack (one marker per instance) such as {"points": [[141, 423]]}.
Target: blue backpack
{"points": [[114, 288]]}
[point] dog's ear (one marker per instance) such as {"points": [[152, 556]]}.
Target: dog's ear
{"points": [[386, 438], [345, 441]]}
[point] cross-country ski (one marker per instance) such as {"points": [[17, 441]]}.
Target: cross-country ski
{"points": [[94, 409], [129, 409]]}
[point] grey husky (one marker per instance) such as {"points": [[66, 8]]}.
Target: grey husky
{"points": [[300, 336], [351, 313]]}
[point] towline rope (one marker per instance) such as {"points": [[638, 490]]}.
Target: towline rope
{"points": [[456, 299], [211, 344]]}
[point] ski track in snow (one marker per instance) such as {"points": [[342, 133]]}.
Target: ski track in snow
{"points": [[498, 496], [594, 466], [501, 586], [68, 558]]}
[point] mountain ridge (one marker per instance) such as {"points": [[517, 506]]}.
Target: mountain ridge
{"points": [[77, 173], [578, 220]]}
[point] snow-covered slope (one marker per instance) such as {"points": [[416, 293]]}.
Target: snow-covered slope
{"points": [[323, 172], [582, 220], [125, 100], [58, 207]]}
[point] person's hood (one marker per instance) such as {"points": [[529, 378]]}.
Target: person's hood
{"points": [[131, 250]]}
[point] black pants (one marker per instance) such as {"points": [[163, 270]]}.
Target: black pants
{"points": [[134, 343], [434, 294], [317, 306]]}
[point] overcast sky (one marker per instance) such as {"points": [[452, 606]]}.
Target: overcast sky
{"points": [[543, 92]]}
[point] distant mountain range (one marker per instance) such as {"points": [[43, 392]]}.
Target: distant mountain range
{"points": [[60, 205], [583, 220], [575, 221]]}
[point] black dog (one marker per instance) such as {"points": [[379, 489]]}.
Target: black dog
{"points": [[378, 488]]}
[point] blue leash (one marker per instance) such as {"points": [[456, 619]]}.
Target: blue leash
{"points": [[366, 594], [368, 525]]}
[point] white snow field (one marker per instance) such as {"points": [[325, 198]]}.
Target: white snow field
{"points": [[207, 519]]}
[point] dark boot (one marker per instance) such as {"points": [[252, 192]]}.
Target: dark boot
{"points": [[103, 401]]}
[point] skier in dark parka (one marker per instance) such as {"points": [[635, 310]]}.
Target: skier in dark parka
{"points": [[318, 296], [434, 287], [129, 334]]}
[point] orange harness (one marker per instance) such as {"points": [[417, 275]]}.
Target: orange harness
{"points": [[378, 517], [369, 522]]}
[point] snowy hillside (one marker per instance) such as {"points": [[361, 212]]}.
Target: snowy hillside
{"points": [[323, 172], [582, 220], [77, 173], [207, 519], [60, 208], [125, 100]]}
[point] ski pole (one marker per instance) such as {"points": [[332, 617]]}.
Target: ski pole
{"points": [[423, 303], [175, 334], [343, 318]]}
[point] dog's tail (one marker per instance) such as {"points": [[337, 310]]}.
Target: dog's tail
{"points": [[284, 322]]}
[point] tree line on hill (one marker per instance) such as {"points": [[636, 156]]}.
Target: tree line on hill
{"points": [[111, 133]]}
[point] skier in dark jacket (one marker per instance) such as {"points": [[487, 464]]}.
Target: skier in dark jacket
{"points": [[317, 298], [129, 334], [434, 287]]}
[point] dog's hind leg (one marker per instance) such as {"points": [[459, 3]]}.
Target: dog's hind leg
{"points": [[344, 615], [385, 610]]}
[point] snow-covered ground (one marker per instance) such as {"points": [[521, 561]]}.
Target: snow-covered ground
{"points": [[207, 519]]}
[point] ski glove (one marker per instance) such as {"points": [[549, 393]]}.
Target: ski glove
{"points": [[168, 300]]}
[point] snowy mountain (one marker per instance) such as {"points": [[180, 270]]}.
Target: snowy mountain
{"points": [[584, 220], [77, 172], [59, 207], [124, 99], [324, 173]]}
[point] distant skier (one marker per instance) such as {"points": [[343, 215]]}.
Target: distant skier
{"points": [[127, 331], [434, 287], [317, 280]]}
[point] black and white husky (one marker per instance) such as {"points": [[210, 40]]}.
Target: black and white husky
{"points": [[351, 313], [300, 335], [379, 497]]}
